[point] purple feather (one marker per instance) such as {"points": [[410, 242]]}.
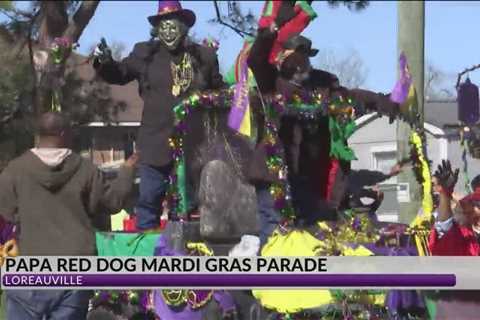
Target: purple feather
{"points": [[400, 91]]}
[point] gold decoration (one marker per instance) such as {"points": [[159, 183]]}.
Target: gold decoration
{"points": [[182, 75], [9, 249], [175, 90]]}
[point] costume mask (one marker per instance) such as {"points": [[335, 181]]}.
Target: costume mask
{"points": [[171, 32], [303, 73]]}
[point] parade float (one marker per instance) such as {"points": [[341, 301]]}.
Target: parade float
{"points": [[352, 234]]}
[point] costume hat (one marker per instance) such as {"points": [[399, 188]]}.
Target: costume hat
{"points": [[472, 198], [169, 9], [300, 43], [295, 43]]}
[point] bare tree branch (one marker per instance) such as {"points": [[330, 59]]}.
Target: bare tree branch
{"points": [[356, 5], [14, 13], [475, 67], [220, 20], [436, 83], [80, 20], [54, 20], [32, 63], [349, 68]]}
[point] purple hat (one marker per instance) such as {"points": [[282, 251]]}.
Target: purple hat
{"points": [[172, 8]]}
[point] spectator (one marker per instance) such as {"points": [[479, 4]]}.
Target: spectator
{"points": [[449, 237], [455, 235], [55, 195]]}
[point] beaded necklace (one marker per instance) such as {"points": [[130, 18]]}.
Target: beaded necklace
{"points": [[182, 75]]}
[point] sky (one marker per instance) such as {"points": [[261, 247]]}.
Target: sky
{"points": [[451, 33]]}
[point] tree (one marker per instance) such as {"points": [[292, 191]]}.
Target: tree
{"points": [[245, 24], [29, 73], [438, 83], [52, 26], [350, 68], [356, 5]]}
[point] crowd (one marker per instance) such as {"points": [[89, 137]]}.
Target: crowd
{"points": [[52, 201]]}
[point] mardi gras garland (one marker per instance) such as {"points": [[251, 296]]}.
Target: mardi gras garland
{"points": [[420, 227], [195, 298], [338, 237], [111, 298], [308, 106], [464, 146], [172, 297]]}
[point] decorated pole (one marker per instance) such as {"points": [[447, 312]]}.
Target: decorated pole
{"points": [[411, 34]]}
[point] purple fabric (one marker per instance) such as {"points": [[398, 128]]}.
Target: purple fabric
{"points": [[400, 91], [240, 99], [398, 301], [401, 301], [163, 249], [224, 300], [167, 313], [163, 5], [7, 231], [185, 312], [387, 251]]}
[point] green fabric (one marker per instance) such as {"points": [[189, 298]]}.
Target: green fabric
{"points": [[431, 308], [119, 244], [268, 9], [229, 77], [307, 9], [183, 205], [339, 134]]}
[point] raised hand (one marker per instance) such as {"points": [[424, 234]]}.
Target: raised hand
{"points": [[446, 177], [133, 160], [102, 52], [396, 169]]}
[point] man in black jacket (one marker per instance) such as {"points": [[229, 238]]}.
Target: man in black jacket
{"points": [[167, 71]]}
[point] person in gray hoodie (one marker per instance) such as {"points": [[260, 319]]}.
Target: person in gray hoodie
{"points": [[56, 198]]}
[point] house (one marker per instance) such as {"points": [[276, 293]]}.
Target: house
{"points": [[375, 144], [108, 143]]}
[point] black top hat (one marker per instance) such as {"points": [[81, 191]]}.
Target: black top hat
{"points": [[172, 8], [300, 43]]}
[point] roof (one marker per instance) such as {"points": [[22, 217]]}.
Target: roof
{"points": [[440, 113], [127, 94]]}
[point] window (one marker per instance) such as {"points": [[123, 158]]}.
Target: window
{"points": [[384, 158]]}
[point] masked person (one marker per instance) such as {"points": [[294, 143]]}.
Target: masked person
{"points": [[167, 69], [318, 180]]}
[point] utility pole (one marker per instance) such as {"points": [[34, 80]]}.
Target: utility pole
{"points": [[411, 41]]}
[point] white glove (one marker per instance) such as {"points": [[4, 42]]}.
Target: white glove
{"points": [[247, 247], [102, 52]]}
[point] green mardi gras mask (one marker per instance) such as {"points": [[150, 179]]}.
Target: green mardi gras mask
{"points": [[171, 33]]}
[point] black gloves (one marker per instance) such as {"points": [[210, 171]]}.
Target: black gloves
{"points": [[446, 177]]}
